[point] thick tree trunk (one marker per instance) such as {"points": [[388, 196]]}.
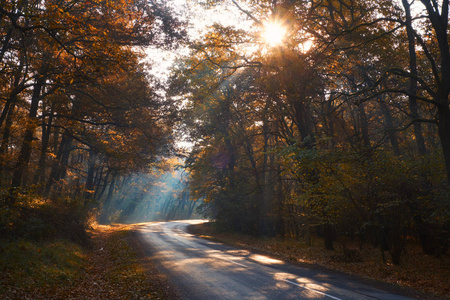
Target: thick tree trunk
{"points": [[7, 129], [444, 135], [12, 99], [25, 151], [439, 22], [412, 81], [9, 107], [304, 123], [4, 166]]}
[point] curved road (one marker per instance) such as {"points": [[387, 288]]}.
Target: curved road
{"points": [[202, 269]]}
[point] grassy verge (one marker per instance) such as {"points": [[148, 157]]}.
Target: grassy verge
{"points": [[419, 275], [114, 268], [30, 269]]}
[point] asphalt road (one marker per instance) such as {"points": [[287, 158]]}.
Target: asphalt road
{"points": [[202, 269]]}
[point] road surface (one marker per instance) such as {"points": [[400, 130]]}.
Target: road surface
{"points": [[202, 269]]}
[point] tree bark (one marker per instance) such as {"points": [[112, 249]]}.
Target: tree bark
{"points": [[412, 89], [304, 123], [439, 22], [89, 187], [4, 166], [46, 130], [26, 148], [444, 135], [6, 44], [99, 195], [7, 129]]}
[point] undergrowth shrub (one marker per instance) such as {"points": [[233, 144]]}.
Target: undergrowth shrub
{"points": [[34, 218], [373, 195]]}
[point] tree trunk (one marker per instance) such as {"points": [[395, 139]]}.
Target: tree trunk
{"points": [[412, 89], [439, 22], [265, 196], [89, 187], [9, 108], [103, 219], [6, 44], [7, 129], [99, 195], [25, 151], [280, 210], [4, 166], [444, 135], [59, 167], [12, 99], [304, 123], [46, 130], [364, 125], [390, 126]]}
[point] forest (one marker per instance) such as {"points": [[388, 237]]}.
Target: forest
{"points": [[80, 114], [340, 130]]}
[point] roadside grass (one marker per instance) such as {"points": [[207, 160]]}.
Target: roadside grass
{"points": [[113, 268], [29, 269], [428, 275]]}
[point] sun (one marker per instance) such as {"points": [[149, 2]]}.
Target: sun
{"points": [[273, 33]]}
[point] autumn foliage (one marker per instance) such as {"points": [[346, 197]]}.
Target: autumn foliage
{"points": [[341, 131], [79, 111]]}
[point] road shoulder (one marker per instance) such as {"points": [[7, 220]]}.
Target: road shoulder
{"points": [[367, 272]]}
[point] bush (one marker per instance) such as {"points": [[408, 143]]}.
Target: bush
{"points": [[32, 218], [374, 195]]}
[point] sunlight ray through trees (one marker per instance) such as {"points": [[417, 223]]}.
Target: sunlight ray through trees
{"points": [[338, 131], [336, 124]]}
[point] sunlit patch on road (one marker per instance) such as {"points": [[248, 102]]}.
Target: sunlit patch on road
{"points": [[209, 270], [266, 260]]}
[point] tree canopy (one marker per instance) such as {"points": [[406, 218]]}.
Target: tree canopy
{"points": [[340, 129], [78, 107], [337, 124]]}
